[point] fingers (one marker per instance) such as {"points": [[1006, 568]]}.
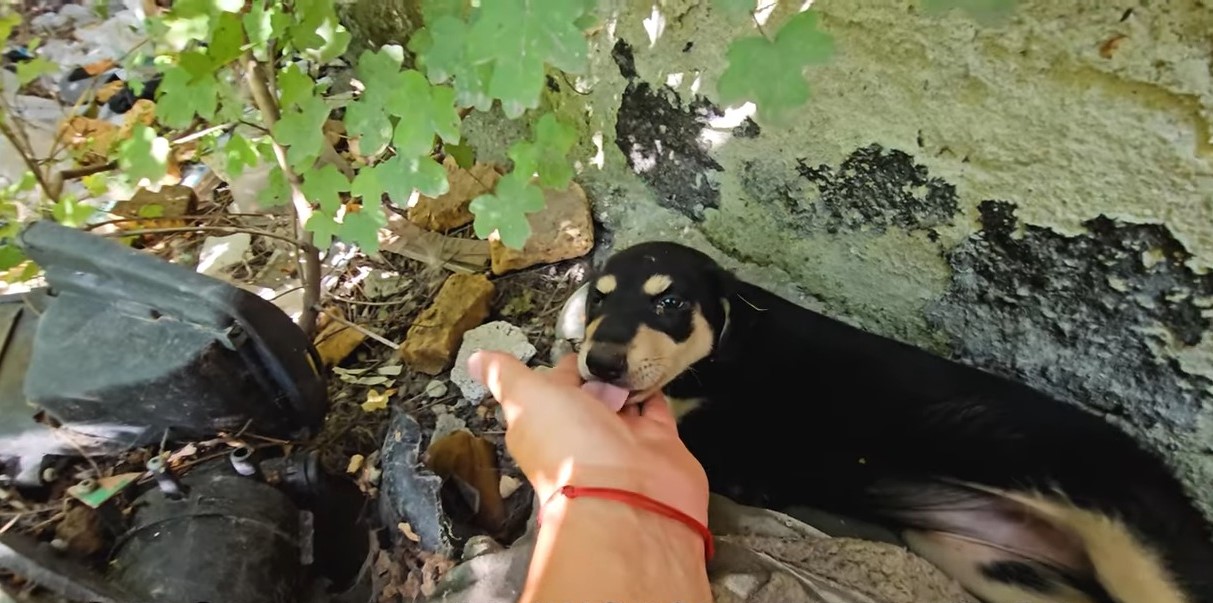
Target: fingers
{"points": [[565, 372], [509, 380], [657, 410]]}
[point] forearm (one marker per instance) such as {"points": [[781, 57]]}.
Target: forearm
{"points": [[596, 551]]}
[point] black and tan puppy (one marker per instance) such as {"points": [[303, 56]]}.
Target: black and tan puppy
{"points": [[1020, 497]]}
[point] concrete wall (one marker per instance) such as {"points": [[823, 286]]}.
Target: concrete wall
{"points": [[1035, 198]]}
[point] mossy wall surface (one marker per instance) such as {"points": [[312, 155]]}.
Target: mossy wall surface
{"points": [[1034, 198]]}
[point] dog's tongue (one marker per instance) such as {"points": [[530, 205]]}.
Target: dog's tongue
{"points": [[612, 396]]}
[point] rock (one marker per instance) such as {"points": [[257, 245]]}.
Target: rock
{"points": [[409, 493], [450, 211], [498, 336], [435, 389], [461, 303], [563, 230], [381, 284], [447, 424], [221, 253]]}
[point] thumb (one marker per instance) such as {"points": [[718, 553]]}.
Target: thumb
{"points": [[657, 410], [506, 378]]}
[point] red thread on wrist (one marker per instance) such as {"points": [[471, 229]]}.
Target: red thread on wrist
{"points": [[636, 500]]}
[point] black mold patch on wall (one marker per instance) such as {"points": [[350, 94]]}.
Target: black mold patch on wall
{"points": [[660, 140], [1075, 315], [876, 189]]}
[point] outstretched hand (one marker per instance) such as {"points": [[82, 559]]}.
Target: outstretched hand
{"points": [[559, 434]]}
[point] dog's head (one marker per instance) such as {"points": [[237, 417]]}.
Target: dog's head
{"points": [[651, 312]]}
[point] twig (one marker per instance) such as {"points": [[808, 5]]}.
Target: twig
{"points": [[28, 160], [305, 245], [88, 170], [381, 339], [369, 303], [219, 215], [310, 261], [199, 134]]}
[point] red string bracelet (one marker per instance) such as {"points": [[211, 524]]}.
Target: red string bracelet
{"points": [[636, 500]]}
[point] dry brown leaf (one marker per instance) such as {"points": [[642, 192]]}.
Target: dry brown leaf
{"points": [[335, 341], [472, 459], [90, 138], [454, 253], [377, 400], [165, 206], [408, 532]]}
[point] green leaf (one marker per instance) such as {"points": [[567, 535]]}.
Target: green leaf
{"points": [[277, 191], [69, 211], [182, 31], [8, 22], [301, 130], [239, 154], [10, 257], [226, 40], [431, 10], [294, 86], [548, 154], [398, 177], [985, 12], [324, 186], [151, 210], [464, 154], [517, 37], [770, 73], [34, 69], [368, 122], [323, 228], [187, 89], [95, 184], [362, 227], [505, 210], [424, 111], [144, 155], [734, 8], [317, 32], [262, 24]]}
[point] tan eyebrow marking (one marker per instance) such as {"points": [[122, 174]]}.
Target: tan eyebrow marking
{"points": [[605, 284], [657, 283]]}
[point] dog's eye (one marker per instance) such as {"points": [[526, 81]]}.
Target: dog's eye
{"points": [[670, 303]]}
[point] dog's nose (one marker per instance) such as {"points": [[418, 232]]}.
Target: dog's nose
{"points": [[606, 362]]}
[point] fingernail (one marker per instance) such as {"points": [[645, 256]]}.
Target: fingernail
{"points": [[476, 366]]}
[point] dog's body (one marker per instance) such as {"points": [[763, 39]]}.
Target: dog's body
{"points": [[1021, 498]]}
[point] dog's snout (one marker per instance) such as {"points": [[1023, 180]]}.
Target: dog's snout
{"points": [[607, 362]]}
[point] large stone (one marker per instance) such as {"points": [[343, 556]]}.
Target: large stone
{"points": [[562, 230], [450, 211], [498, 336], [461, 303]]}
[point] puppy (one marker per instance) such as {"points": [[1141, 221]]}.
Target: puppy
{"points": [[1021, 498]]}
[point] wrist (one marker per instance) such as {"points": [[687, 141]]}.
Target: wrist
{"points": [[625, 517]]}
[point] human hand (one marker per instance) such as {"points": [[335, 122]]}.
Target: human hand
{"points": [[560, 434]]}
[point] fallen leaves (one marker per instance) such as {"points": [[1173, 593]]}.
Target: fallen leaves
{"points": [[377, 400], [471, 462]]}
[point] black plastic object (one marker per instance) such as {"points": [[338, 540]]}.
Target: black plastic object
{"points": [[131, 348], [231, 539]]}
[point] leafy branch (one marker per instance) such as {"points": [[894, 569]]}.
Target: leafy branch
{"points": [[250, 81]]}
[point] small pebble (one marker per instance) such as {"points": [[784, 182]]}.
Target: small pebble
{"points": [[435, 389], [446, 425]]}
